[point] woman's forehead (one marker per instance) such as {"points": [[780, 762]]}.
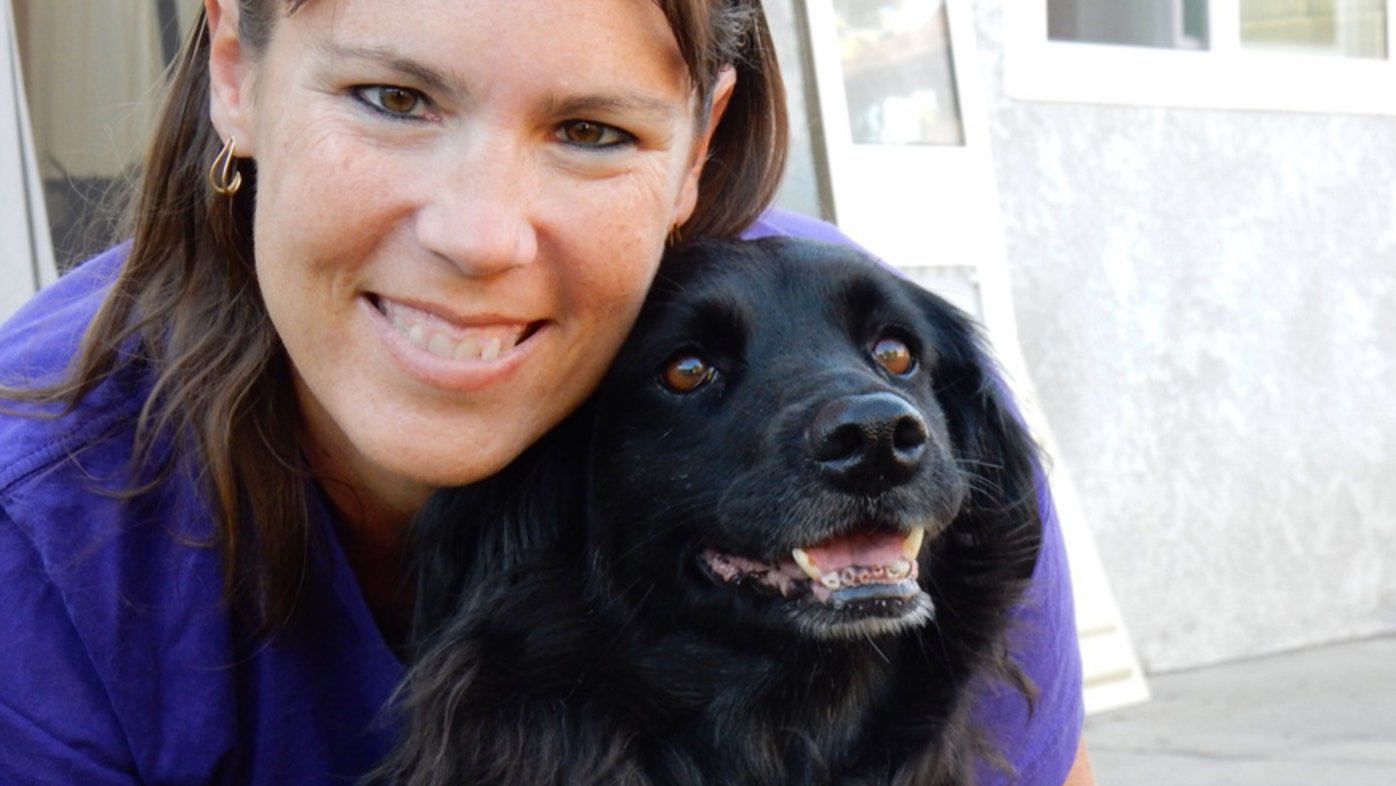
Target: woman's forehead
{"points": [[616, 56], [628, 24]]}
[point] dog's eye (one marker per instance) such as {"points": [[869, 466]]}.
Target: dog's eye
{"points": [[893, 354], [686, 372]]}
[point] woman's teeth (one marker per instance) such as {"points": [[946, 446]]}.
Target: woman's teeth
{"points": [[449, 341], [444, 346]]}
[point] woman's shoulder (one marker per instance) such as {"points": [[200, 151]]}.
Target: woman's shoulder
{"points": [[51, 454], [114, 591], [129, 655], [37, 341], [66, 471], [779, 222], [129, 650]]}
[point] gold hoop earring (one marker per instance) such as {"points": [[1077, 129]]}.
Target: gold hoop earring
{"points": [[223, 176]]}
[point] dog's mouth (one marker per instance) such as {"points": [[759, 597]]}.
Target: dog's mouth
{"points": [[857, 583]]}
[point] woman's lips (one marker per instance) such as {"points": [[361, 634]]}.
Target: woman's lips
{"points": [[450, 341], [447, 353]]}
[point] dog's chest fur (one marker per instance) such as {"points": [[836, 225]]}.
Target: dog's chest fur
{"points": [[607, 705]]}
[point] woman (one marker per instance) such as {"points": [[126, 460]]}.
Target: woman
{"points": [[378, 248]]}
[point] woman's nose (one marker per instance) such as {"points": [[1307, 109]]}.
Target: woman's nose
{"points": [[479, 214]]}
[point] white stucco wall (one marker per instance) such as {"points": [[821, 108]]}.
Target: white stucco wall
{"points": [[1207, 304]]}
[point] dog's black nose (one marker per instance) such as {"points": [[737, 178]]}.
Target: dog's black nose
{"points": [[868, 443]]}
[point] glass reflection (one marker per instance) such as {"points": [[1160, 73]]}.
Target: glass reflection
{"points": [[897, 72]]}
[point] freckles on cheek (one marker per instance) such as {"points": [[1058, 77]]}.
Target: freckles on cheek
{"points": [[317, 171], [324, 211], [622, 282], [624, 234]]}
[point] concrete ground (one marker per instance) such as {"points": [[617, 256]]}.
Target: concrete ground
{"points": [[1319, 717]]}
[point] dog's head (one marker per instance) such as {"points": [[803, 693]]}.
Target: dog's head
{"points": [[796, 440]]}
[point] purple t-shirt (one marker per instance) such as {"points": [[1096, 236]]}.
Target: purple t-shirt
{"points": [[121, 665]]}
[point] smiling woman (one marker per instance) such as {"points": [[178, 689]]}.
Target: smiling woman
{"points": [[376, 248], [431, 225], [469, 201]]}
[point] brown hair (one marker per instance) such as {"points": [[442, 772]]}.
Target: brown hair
{"points": [[187, 298]]}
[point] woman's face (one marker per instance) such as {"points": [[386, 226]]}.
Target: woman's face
{"points": [[460, 205]]}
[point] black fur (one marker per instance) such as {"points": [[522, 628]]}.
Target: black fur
{"points": [[570, 629]]}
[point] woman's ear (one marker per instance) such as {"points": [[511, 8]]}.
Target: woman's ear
{"points": [[688, 193], [230, 76]]}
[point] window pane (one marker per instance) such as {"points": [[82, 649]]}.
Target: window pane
{"points": [[897, 72], [804, 187], [1168, 24], [1350, 28]]}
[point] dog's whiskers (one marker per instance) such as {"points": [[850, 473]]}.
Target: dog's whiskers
{"points": [[873, 643]]}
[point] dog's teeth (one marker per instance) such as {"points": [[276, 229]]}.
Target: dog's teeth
{"points": [[831, 580], [806, 564], [899, 569], [912, 545]]}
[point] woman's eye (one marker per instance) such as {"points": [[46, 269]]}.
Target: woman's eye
{"points": [[585, 133], [893, 354], [686, 372], [397, 102]]}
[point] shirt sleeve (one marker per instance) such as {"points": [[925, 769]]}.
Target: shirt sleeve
{"points": [[1038, 737], [57, 724]]}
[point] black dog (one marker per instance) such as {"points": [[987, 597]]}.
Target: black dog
{"points": [[772, 549]]}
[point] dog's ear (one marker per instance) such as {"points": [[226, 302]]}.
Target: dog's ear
{"points": [[479, 536], [991, 444]]}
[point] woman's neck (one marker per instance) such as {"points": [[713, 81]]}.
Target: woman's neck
{"points": [[373, 538], [372, 512]]}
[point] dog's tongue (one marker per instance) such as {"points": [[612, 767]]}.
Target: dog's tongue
{"points": [[857, 549]]}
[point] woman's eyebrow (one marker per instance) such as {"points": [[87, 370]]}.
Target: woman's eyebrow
{"points": [[651, 107], [428, 77]]}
